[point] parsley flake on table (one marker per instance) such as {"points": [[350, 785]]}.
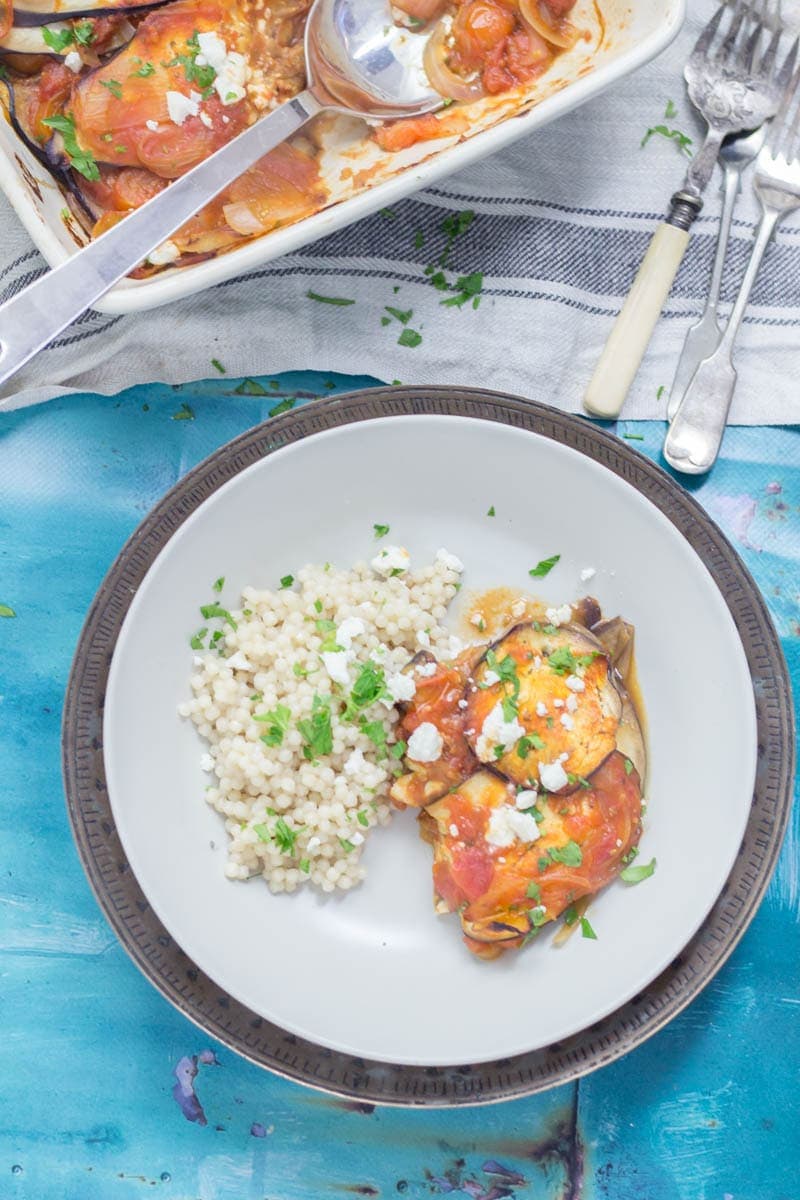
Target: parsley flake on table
{"points": [[217, 365], [286, 581], [403, 315], [491, 512], [681, 140], [185, 412], [7, 611], [544, 567], [466, 287], [380, 530], [208, 611], [196, 640], [218, 584], [637, 874], [586, 929], [409, 337], [250, 387], [285, 405], [340, 301]]}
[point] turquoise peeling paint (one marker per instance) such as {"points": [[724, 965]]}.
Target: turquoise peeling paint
{"points": [[707, 1109]]}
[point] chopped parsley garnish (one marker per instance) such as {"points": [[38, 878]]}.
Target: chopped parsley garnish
{"points": [[634, 437], [316, 730], [57, 39], [499, 751], [681, 140], [537, 916], [278, 724], [380, 530], [218, 584], [544, 567], [285, 405], [491, 512], [570, 855], [216, 610], [466, 287], [185, 412], [637, 874], [399, 749], [533, 892], [528, 742], [346, 845], [285, 836], [453, 226], [300, 672], [409, 337], [256, 696], [305, 866], [286, 581], [264, 834], [586, 929], [217, 365], [628, 766], [196, 640], [578, 779], [376, 732], [82, 160], [544, 863], [340, 301], [318, 606], [143, 72], [570, 915], [370, 686], [563, 661], [204, 75], [83, 32], [114, 86], [400, 314], [419, 239], [362, 818], [387, 212], [631, 855]]}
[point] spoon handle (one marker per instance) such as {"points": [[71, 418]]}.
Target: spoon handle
{"points": [[30, 320]]}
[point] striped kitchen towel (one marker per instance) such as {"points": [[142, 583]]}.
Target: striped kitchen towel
{"points": [[553, 230]]}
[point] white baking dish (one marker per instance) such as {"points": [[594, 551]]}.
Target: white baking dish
{"points": [[633, 34]]}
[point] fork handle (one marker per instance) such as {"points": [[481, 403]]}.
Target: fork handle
{"points": [[634, 326], [695, 435]]}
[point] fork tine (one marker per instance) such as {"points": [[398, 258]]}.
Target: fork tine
{"points": [[707, 36], [751, 48], [781, 130], [785, 73], [726, 50], [793, 139]]}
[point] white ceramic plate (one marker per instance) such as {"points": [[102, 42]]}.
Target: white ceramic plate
{"points": [[634, 34], [375, 972]]}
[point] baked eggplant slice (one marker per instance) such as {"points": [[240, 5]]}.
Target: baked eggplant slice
{"points": [[543, 707], [508, 871], [44, 12]]}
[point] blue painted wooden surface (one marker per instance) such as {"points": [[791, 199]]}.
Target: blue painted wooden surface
{"points": [[707, 1110]]}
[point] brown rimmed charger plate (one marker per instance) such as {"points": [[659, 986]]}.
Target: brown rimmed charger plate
{"points": [[199, 998]]}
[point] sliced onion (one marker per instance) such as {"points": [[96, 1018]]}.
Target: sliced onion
{"points": [[537, 16], [441, 78], [242, 219]]}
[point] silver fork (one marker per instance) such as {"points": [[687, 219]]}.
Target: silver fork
{"points": [[694, 437], [734, 90]]}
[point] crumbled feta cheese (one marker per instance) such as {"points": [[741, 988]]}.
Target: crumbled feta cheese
{"points": [[537, 662], [575, 684], [449, 560], [425, 670], [425, 743], [180, 107], [491, 677], [423, 638], [335, 663], [206, 119], [477, 620], [206, 762], [508, 825], [73, 61], [526, 798], [567, 721], [356, 838], [587, 573], [354, 763], [167, 252], [453, 831], [463, 704], [152, 125], [391, 558], [497, 731], [541, 708], [559, 616], [518, 608], [572, 703], [313, 843], [401, 687], [231, 68], [454, 646], [351, 627], [553, 776], [213, 50], [558, 704]]}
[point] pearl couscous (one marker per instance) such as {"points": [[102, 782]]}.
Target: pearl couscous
{"points": [[296, 697]]}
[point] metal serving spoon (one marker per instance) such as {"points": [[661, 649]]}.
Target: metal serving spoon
{"points": [[357, 61]]}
